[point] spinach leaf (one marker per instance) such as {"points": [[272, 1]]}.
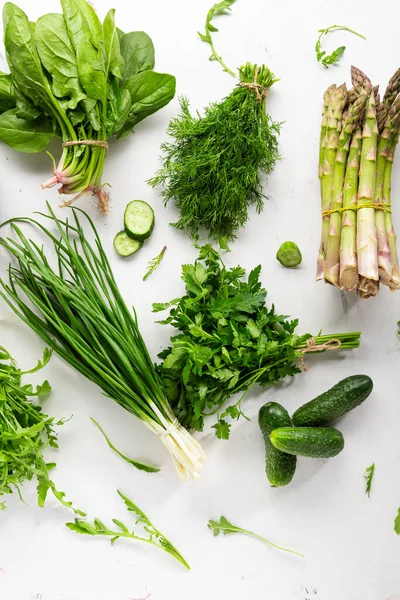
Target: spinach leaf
{"points": [[22, 55], [25, 109], [7, 95], [138, 53], [91, 70], [114, 60], [149, 91], [82, 22], [23, 135], [58, 58]]}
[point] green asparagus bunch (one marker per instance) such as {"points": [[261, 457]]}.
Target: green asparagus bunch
{"points": [[359, 135]]}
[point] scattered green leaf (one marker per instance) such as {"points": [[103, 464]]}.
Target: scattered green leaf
{"points": [[397, 523], [220, 8], [138, 465], [226, 528], [369, 474], [154, 263], [148, 534], [330, 59]]}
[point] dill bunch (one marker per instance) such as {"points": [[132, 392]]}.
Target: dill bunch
{"points": [[213, 167]]}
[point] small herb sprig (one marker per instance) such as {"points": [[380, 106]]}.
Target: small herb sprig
{"points": [[329, 59], [369, 475], [221, 8], [226, 528], [138, 465], [154, 263], [154, 537], [397, 523]]}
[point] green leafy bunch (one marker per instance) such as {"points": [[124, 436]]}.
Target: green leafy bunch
{"points": [[228, 340], [81, 80], [25, 432], [213, 165]]}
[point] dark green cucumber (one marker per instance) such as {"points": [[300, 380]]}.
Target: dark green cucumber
{"points": [[336, 402], [279, 466], [314, 442]]}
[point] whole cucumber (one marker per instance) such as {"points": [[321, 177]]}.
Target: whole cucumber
{"points": [[279, 466], [314, 442], [336, 402]]}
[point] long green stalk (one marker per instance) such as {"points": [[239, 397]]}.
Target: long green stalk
{"points": [[80, 313], [348, 259], [367, 252]]}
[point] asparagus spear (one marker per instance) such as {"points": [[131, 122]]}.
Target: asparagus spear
{"points": [[338, 100], [348, 257], [367, 253], [353, 117], [322, 144], [385, 259], [394, 282]]}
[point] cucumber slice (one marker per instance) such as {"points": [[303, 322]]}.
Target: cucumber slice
{"points": [[125, 245], [139, 220]]}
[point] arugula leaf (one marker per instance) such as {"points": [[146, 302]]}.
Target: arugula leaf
{"points": [[138, 465], [227, 528], [220, 8], [369, 474], [329, 59], [25, 432], [151, 535]]}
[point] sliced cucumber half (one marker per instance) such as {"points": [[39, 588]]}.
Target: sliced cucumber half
{"points": [[125, 245], [139, 220]]}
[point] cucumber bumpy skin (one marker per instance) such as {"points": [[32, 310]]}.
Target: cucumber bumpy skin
{"points": [[336, 402], [312, 442], [279, 466]]}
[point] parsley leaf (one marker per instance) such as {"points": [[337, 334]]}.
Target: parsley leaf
{"points": [[222, 429]]}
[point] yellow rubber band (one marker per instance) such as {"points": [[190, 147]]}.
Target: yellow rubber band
{"points": [[384, 207]]}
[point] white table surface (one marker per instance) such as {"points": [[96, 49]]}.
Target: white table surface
{"points": [[352, 552]]}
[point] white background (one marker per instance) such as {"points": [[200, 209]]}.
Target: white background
{"points": [[352, 552]]}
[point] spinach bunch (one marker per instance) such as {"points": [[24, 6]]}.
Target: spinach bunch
{"points": [[78, 79], [25, 431], [228, 341]]}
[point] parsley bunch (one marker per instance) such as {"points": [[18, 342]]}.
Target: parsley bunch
{"points": [[25, 431], [214, 163], [228, 340]]}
